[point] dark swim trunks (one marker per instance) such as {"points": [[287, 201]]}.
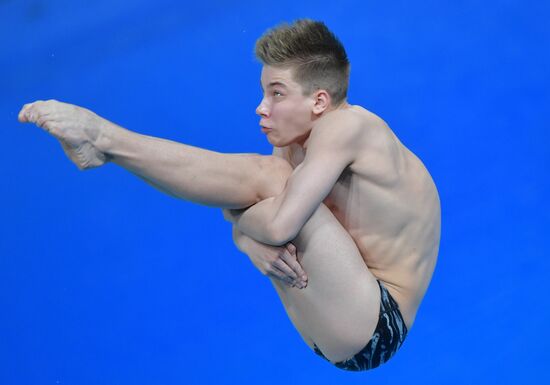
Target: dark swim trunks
{"points": [[388, 337]]}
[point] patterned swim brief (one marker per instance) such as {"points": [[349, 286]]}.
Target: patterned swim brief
{"points": [[388, 337]]}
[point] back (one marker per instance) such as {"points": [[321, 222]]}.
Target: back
{"points": [[388, 203]]}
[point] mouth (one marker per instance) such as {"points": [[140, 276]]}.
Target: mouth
{"points": [[265, 130]]}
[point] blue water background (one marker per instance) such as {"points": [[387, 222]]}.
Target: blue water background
{"points": [[104, 280]]}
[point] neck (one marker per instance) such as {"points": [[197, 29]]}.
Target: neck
{"points": [[342, 106]]}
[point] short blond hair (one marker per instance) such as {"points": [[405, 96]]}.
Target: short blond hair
{"points": [[317, 57]]}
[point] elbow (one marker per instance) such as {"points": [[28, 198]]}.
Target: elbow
{"points": [[281, 233]]}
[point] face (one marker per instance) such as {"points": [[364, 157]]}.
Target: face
{"points": [[285, 113]]}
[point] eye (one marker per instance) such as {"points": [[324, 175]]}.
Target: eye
{"points": [[277, 93]]}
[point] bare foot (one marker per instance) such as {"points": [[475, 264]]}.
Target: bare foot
{"points": [[76, 128]]}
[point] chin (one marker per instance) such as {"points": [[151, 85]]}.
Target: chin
{"points": [[278, 144], [274, 142]]}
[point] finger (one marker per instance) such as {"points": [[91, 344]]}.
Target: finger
{"points": [[292, 262], [278, 274], [281, 265], [290, 247], [299, 282]]}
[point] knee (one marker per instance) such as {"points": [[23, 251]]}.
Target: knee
{"points": [[273, 174]]}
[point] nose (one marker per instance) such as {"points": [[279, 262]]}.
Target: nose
{"points": [[262, 109]]}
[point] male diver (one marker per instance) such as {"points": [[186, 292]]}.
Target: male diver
{"points": [[341, 199]]}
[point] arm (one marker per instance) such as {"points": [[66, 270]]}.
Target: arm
{"points": [[279, 262], [273, 261], [332, 147]]}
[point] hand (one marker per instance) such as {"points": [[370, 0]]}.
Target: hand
{"points": [[76, 128], [279, 262]]}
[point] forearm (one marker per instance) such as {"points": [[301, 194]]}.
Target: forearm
{"points": [[258, 222], [255, 222], [278, 262]]}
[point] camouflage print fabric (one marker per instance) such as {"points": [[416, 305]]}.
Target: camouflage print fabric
{"points": [[388, 337]]}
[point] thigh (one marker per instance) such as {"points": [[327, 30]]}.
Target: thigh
{"points": [[338, 310]]}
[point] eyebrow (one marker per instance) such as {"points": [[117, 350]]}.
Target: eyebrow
{"points": [[274, 84]]}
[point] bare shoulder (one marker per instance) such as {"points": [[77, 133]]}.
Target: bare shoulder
{"points": [[379, 153], [339, 121], [354, 126]]}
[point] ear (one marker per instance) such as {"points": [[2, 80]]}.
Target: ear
{"points": [[321, 101]]}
